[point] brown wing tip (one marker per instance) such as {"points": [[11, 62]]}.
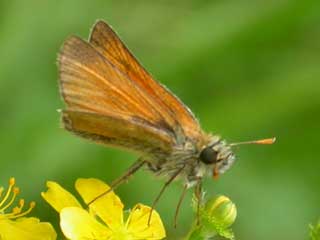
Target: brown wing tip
{"points": [[100, 22], [99, 26], [70, 43]]}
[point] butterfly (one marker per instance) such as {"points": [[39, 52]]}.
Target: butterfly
{"points": [[112, 100]]}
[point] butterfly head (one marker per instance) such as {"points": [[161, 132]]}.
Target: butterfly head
{"points": [[219, 155]]}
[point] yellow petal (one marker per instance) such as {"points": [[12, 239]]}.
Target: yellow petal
{"points": [[137, 223], [108, 207], [76, 224], [27, 229], [58, 197]]}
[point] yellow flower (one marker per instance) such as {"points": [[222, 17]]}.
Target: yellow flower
{"points": [[14, 225], [104, 219]]}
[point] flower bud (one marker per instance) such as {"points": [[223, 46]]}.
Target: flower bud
{"points": [[215, 218], [220, 211]]}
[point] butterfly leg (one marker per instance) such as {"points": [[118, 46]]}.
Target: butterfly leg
{"points": [[162, 190], [183, 194], [198, 192], [132, 169], [124, 177]]}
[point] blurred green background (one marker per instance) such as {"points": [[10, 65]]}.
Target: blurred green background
{"points": [[247, 69]]}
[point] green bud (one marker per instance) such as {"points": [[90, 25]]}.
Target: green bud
{"points": [[220, 211], [216, 216]]}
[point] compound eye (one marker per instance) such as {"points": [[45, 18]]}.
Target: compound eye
{"points": [[208, 156]]}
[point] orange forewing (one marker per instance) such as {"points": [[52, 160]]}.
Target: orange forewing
{"points": [[105, 40], [111, 99]]}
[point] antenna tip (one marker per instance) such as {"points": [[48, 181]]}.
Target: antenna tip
{"points": [[261, 141], [266, 141]]}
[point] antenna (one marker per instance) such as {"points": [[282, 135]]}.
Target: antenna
{"points": [[261, 141]]}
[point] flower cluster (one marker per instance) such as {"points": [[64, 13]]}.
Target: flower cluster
{"points": [[103, 217]]}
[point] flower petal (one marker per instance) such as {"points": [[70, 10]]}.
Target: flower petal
{"points": [[137, 223], [27, 229], [77, 223], [108, 207], [58, 197]]}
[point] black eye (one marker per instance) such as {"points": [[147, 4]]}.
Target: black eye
{"points": [[208, 155]]}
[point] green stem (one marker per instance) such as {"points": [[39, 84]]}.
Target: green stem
{"points": [[199, 233]]}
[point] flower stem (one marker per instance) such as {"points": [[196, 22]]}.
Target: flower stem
{"points": [[199, 233]]}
